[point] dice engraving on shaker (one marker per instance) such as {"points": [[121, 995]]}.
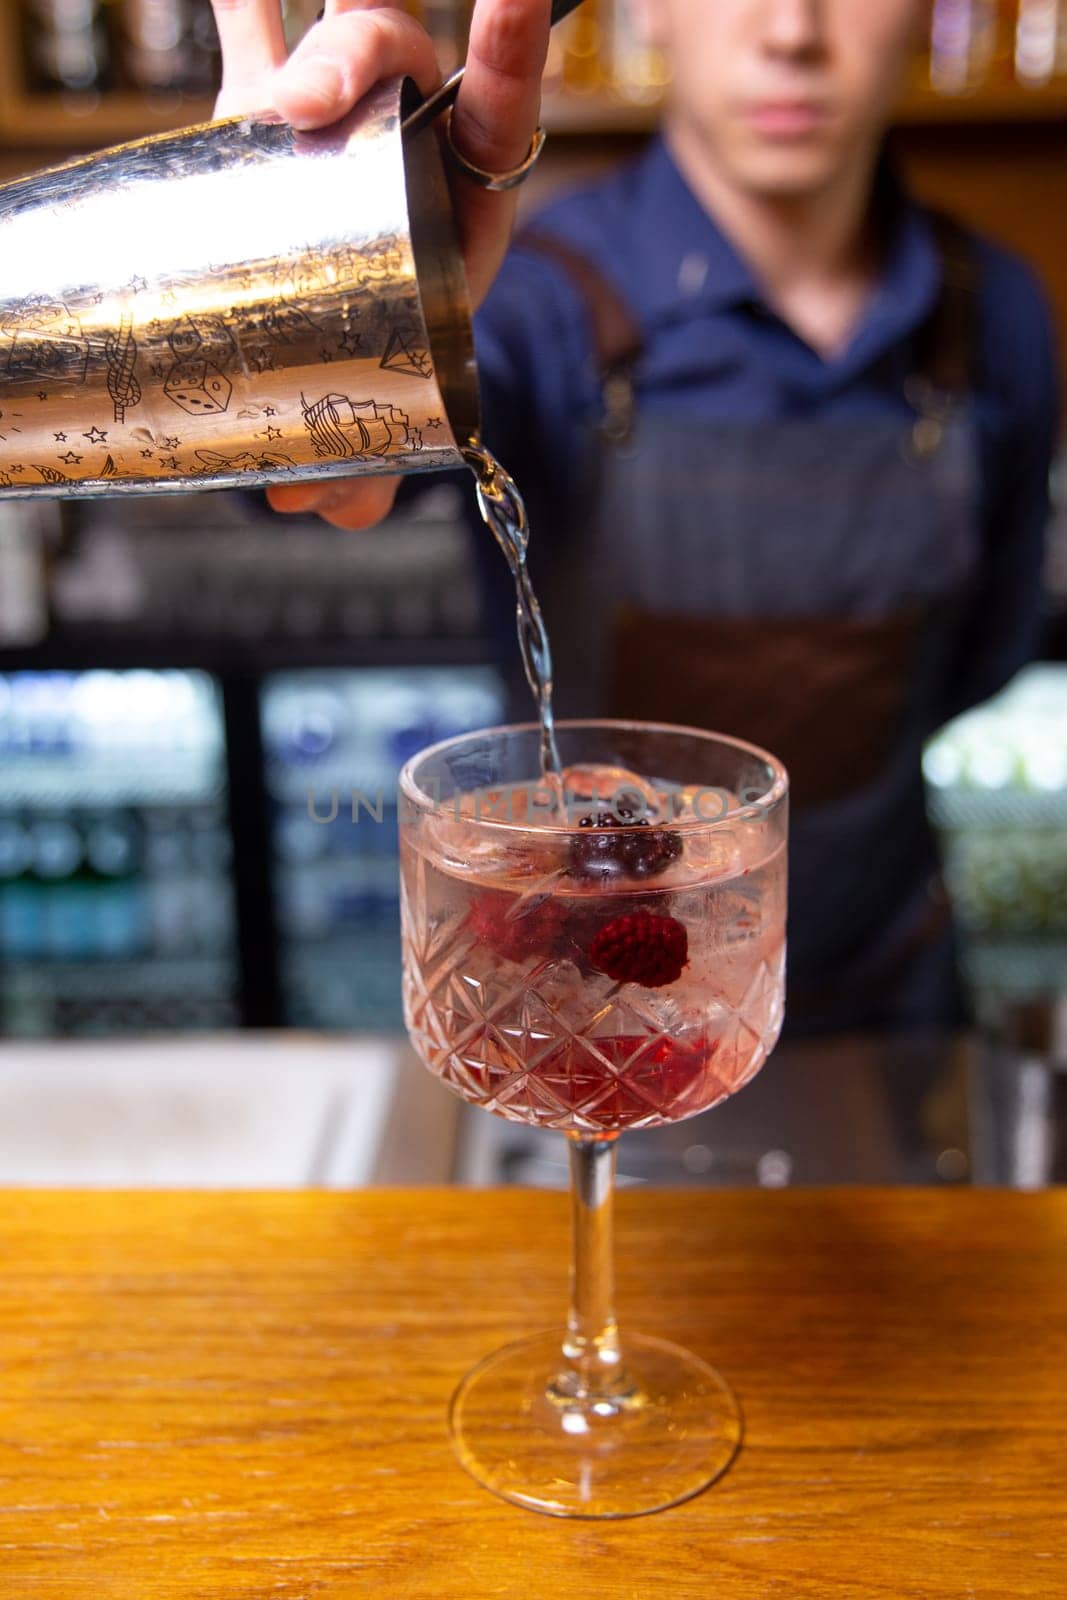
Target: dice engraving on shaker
{"points": [[199, 388]]}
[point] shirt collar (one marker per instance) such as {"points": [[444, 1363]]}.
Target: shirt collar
{"points": [[700, 270], [683, 262]]}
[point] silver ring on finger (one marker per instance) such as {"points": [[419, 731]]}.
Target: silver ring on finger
{"points": [[497, 182]]}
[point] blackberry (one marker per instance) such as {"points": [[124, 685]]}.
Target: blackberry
{"points": [[627, 851]]}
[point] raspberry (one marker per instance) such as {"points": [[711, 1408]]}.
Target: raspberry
{"points": [[606, 855], [584, 916], [515, 934], [641, 948]]}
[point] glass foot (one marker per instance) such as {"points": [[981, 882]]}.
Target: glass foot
{"points": [[673, 1428]]}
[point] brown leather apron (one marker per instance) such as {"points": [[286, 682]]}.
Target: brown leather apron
{"points": [[800, 584]]}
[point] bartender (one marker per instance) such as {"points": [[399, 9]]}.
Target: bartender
{"points": [[785, 435]]}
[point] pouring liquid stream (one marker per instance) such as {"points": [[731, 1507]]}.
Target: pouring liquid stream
{"points": [[504, 514]]}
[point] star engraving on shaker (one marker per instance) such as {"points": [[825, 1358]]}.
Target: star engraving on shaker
{"points": [[96, 435], [147, 454], [350, 342], [42, 394], [434, 422], [270, 411], [18, 467], [70, 458], [271, 433], [170, 442], [170, 462], [137, 284], [60, 438]]}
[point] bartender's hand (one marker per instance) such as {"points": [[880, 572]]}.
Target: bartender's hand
{"points": [[354, 45]]}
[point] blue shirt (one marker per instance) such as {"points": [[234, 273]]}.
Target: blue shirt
{"points": [[714, 348]]}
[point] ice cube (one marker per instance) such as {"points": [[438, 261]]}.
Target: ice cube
{"points": [[506, 855], [457, 846], [711, 854], [735, 917], [605, 788], [696, 802]]}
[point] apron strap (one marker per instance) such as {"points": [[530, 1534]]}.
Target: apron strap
{"points": [[946, 346], [617, 337]]}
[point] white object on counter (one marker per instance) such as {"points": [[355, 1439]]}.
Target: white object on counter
{"points": [[264, 1111]]}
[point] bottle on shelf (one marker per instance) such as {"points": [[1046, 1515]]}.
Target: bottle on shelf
{"points": [[114, 872], [1040, 41], [964, 37], [170, 46], [575, 63], [65, 887], [67, 45], [635, 71], [21, 921]]}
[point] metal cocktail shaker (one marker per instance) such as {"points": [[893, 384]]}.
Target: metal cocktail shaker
{"points": [[237, 303]]}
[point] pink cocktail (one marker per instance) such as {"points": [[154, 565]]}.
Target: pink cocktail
{"points": [[595, 955]]}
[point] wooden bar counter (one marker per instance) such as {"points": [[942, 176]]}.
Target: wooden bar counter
{"points": [[244, 1395]]}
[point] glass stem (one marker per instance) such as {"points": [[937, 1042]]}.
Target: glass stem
{"points": [[591, 1347]]}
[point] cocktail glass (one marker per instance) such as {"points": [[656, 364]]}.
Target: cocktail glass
{"points": [[605, 957]]}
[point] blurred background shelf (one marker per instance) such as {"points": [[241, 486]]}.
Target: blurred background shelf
{"points": [[73, 121], [603, 112], [95, 72], [1009, 102], [66, 122], [922, 106]]}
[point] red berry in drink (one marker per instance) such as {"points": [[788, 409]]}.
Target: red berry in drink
{"points": [[513, 928], [642, 948]]}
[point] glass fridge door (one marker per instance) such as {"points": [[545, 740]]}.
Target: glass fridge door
{"points": [[116, 901], [334, 743]]}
